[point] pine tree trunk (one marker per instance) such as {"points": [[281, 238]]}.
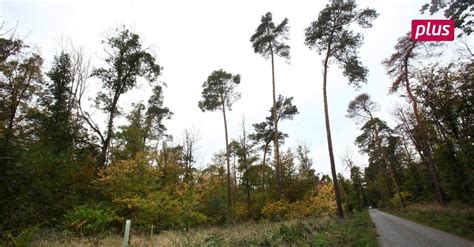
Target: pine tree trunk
{"points": [[340, 212], [275, 137], [246, 172], [227, 155], [265, 150]]}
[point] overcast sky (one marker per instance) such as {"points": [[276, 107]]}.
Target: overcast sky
{"points": [[193, 38]]}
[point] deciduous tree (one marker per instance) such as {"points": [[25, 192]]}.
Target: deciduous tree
{"points": [[126, 61]]}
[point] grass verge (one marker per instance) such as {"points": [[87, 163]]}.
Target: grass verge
{"points": [[355, 230], [457, 219]]}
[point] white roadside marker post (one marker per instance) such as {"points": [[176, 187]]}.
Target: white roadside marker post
{"points": [[127, 233]]}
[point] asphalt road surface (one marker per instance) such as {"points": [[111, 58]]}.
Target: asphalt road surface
{"points": [[395, 231]]}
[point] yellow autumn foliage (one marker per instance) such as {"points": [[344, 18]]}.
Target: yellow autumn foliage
{"points": [[276, 210], [323, 203]]}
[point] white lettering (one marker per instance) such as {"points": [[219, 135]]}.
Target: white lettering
{"points": [[420, 30], [445, 30]]}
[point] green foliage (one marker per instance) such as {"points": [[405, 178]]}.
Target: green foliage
{"points": [[307, 179], [21, 74], [90, 219], [218, 91], [213, 193], [458, 10], [25, 238], [156, 113], [331, 35], [130, 138], [126, 62], [265, 131], [144, 125], [269, 39], [446, 96], [348, 195]]}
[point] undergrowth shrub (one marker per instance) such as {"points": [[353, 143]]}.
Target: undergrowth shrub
{"points": [[395, 201], [23, 239], [90, 219]]}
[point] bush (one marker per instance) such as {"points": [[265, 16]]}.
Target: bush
{"points": [[90, 219], [276, 210], [323, 203], [259, 200], [141, 192], [24, 239], [395, 201], [242, 211]]}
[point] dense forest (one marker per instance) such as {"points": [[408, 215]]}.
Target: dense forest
{"points": [[62, 169]]}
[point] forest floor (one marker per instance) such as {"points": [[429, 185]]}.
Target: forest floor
{"points": [[355, 230], [457, 219]]}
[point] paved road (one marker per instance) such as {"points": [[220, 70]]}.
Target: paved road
{"points": [[395, 231]]}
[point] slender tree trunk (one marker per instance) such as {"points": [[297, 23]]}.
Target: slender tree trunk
{"points": [[364, 198], [387, 163], [16, 96], [246, 172], [265, 150], [108, 138], [110, 126], [275, 137], [9, 130], [227, 155], [424, 143], [247, 183], [234, 180], [340, 212], [383, 172], [165, 163]]}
